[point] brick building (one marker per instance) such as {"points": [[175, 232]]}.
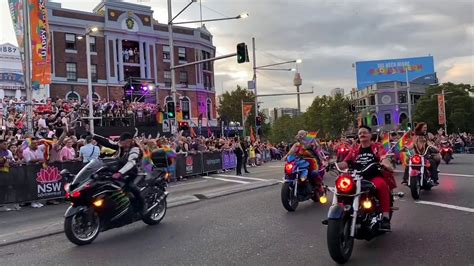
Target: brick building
{"points": [[130, 43]]}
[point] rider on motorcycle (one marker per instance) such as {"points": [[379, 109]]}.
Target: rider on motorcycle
{"points": [[308, 151], [365, 154], [420, 144], [128, 154]]}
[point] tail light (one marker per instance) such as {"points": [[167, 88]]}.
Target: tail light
{"points": [[289, 168], [344, 184], [76, 194], [445, 150], [416, 159]]}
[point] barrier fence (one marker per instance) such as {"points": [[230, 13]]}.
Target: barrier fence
{"points": [[33, 182]]}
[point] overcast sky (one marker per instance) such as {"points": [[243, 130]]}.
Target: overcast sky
{"points": [[328, 35]]}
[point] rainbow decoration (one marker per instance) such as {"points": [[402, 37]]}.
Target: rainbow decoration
{"points": [[310, 137], [147, 162], [403, 141], [26, 144], [386, 141]]}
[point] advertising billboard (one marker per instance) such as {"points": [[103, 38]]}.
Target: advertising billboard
{"points": [[371, 72]]}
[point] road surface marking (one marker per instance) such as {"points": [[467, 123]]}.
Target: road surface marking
{"points": [[400, 171], [276, 166], [187, 184], [226, 180], [244, 177], [454, 207]]}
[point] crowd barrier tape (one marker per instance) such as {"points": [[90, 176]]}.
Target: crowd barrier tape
{"points": [[33, 182]]}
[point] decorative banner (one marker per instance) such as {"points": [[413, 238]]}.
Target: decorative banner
{"points": [[441, 111], [16, 12], [247, 107], [200, 124], [40, 43]]}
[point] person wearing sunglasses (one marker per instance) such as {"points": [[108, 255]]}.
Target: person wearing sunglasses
{"points": [[364, 154]]}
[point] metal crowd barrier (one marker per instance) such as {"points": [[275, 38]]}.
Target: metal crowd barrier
{"points": [[32, 182]]}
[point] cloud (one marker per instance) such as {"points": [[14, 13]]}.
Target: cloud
{"points": [[458, 69]]}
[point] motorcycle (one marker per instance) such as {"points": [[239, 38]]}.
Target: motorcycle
{"points": [[295, 190], [342, 153], [418, 175], [100, 203], [446, 154], [354, 214]]}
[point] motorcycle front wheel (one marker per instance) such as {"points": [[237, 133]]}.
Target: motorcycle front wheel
{"points": [[157, 214], [340, 242], [81, 229], [415, 187], [288, 199]]}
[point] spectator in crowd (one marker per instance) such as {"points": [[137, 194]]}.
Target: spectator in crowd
{"points": [[34, 153], [90, 151], [67, 153]]}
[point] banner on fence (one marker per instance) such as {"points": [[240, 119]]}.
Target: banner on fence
{"points": [[229, 160], [211, 162]]}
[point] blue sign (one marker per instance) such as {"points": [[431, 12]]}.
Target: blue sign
{"points": [[11, 77], [371, 72]]}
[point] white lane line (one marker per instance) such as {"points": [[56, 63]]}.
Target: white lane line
{"points": [[454, 207], [276, 166], [226, 180], [243, 177], [400, 171], [187, 184]]}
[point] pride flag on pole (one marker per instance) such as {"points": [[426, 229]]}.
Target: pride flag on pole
{"points": [[386, 141]]}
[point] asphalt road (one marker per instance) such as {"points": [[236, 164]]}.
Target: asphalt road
{"points": [[252, 228]]}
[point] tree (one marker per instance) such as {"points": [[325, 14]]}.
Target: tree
{"points": [[285, 128], [230, 107], [459, 107], [329, 115]]}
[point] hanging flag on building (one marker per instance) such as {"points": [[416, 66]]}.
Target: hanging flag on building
{"points": [[200, 124], [16, 12], [441, 110]]}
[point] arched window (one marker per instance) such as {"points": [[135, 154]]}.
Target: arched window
{"points": [[186, 108], [375, 120], [95, 96], [72, 95], [403, 117], [168, 99], [209, 109]]}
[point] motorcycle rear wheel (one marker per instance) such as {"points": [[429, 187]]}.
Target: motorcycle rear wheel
{"points": [[157, 214], [72, 230], [288, 199], [340, 243]]}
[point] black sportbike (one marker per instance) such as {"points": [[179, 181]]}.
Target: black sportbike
{"points": [[100, 203]]}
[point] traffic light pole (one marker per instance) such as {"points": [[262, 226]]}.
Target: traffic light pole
{"points": [[255, 83], [172, 62], [203, 61]]}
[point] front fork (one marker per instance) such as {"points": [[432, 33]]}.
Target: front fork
{"points": [[355, 208], [422, 171]]}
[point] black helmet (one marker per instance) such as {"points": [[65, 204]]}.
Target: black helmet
{"points": [[125, 136]]}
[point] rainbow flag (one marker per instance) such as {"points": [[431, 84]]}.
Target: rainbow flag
{"points": [[147, 162], [403, 141], [26, 143], [310, 137], [159, 117], [386, 141]]}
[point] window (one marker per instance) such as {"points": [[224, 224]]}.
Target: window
{"points": [[416, 98], [207, 82], [182, 54], [403, 118], [185, 107], [183, 77], [167, 78], [207, 65], [388, 119], [95, 96], [402, 98], [374, 121], [209, 109], [372, 100], [71, 71], [73, 96], [94, 73], [166, 52], [70, 41], [92, 45]]}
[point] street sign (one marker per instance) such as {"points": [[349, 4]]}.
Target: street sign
{"points": [[166, 126], [441, 110]]}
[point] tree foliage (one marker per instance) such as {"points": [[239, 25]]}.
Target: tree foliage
{"points": [[329, 115], [459, 107]]}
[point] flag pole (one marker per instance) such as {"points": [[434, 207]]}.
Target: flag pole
{"points": [[27, 64], [243, 117]]}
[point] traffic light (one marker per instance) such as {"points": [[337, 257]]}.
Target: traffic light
{"points": [[183, 125], [258, 121], [170, 110], [409, 126], [242, 53]]}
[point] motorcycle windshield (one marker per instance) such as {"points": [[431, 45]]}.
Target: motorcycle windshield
{"points": [[91, 168]]}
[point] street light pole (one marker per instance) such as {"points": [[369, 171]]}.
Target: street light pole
{"points": [[89, 84], [27, 74], [409, 98], [172, 62], [297, 82], [255, 83]]}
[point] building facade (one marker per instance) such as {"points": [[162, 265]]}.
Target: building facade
{"points": [[11, 72], [279, 112], [384, 105], [130, 44]]}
